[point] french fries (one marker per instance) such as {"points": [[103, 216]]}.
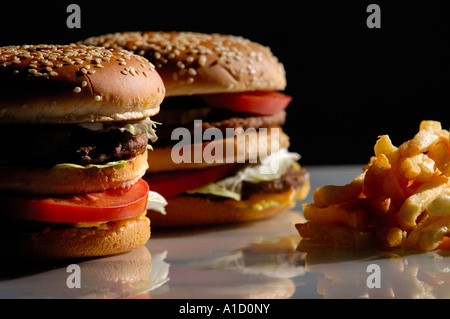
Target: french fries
{"points": [[401, 199]]}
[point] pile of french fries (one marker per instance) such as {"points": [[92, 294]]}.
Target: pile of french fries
{"points": [[400, 200]]}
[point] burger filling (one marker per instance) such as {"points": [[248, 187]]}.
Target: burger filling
{"points": [[82, 146], [183, 111], [79, 144], [239, 182], [284, 174]]}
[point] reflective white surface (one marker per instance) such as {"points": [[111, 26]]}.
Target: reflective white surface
{"points": [[250, 260]]}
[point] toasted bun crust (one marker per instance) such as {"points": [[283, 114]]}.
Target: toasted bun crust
{"points": [[109, 239], [255, 146], [186, 210], [71, 180], [75, 84], [197, 63]]}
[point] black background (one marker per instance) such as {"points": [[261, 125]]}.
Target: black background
{"points": [[349, 83]]}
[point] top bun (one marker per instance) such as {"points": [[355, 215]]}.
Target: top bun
{"points": [[76, 84], [196, 63]]}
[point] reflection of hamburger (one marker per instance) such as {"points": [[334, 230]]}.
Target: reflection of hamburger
{"points": [[75, 127], [129, 275], [231, 84]]}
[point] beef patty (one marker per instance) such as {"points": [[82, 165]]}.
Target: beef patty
{"points": [[47, 145], [293, 178]]}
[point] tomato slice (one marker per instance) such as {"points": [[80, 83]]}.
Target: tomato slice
{"points": [[104, 206], [258, 102], [170, 184]]}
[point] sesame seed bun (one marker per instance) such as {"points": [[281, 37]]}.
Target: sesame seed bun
{"points": [[76, 84], [196, 63]]}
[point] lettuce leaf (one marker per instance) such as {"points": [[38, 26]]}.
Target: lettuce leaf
{"points": [[156, 202], [116, 165], [144, 126], [270, 168]]}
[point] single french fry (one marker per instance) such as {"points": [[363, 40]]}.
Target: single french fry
{"points": [[384, 146], [375, 176], [430, 235], [341, 214], [392, 188], [427, 169], [417, 203], [440, 206], [420, 143], [440, 154], [390, 237], [334, 194], [357, 214], [409, 166], [419, 166], [433, 126]]}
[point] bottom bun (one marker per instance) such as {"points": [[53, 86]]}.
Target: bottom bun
{"points": [[78, 242], [191, 210]]}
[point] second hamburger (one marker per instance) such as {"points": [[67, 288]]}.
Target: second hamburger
{"points": [[221, 155]]}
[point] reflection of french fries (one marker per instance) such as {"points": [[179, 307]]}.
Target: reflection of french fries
{"points": [[400, 199], [344, 235]]}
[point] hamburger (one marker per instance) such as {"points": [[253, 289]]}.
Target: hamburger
{"points": [[75, 126], [222, 155]]}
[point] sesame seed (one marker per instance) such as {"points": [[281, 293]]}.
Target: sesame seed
{"points": [[180, 65], [97, 98], [84, 84], [77, 89], [202, 60], [192, 72]]}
